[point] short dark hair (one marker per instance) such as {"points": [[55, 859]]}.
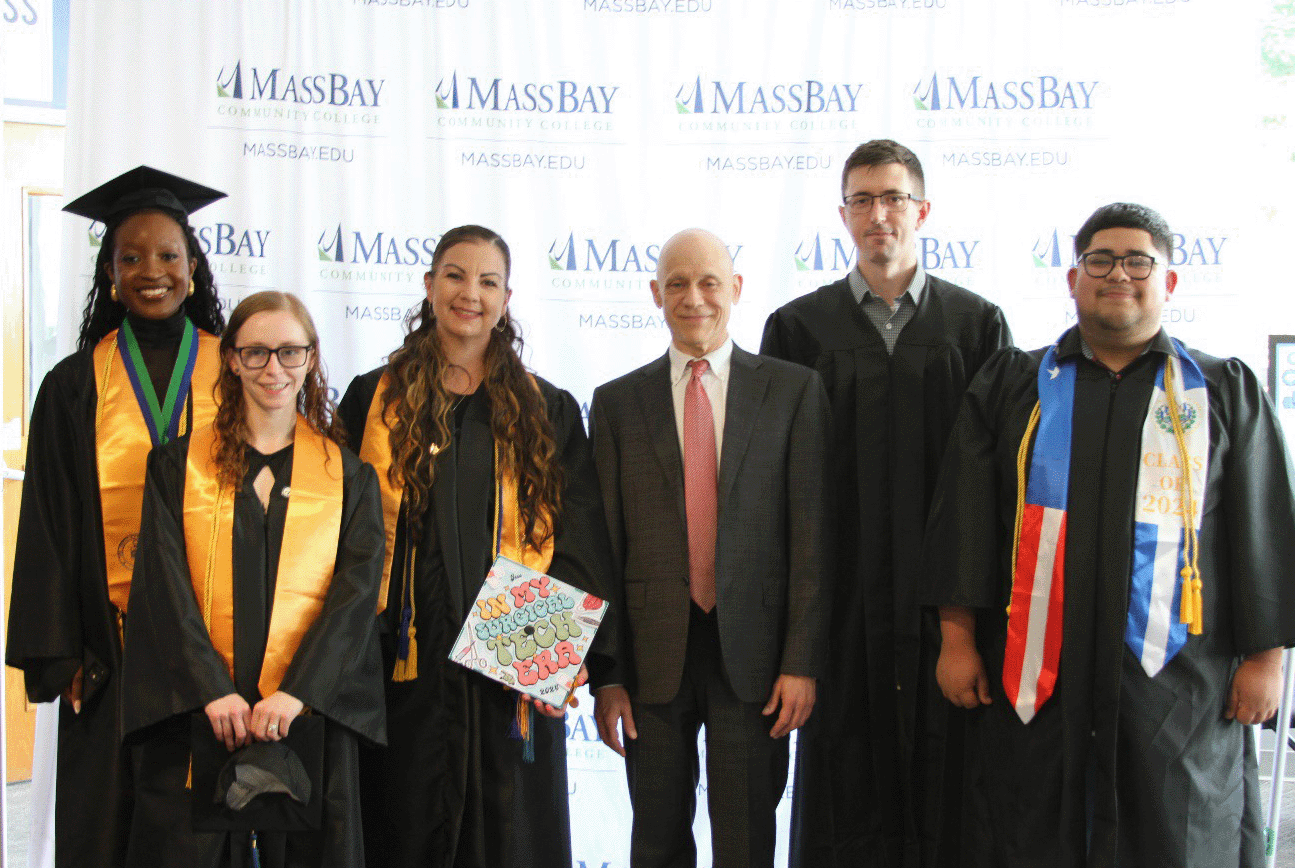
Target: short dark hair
{"points": [[1126, 215], [879, 152]]}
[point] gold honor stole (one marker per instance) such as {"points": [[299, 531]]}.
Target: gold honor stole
{"points": [[311, 530], [122, 442], [507, 526]]}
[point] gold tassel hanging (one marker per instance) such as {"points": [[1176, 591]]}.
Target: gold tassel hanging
{"points": [[1022, 477], [1191, 610], [407, 669]]}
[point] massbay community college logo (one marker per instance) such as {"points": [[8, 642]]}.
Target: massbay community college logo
{"points": [[1048, 251], [606, 254], [218, 241], [836, 254], [589, 254], [340, 245], [800, 96], [459, 91], [279, 85], [977, 92], [1055, 250]]}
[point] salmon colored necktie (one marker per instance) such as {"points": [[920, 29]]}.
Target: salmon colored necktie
{"points": [[700, 462]]}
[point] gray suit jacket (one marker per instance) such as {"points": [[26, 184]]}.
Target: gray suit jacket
{"points": [[772, 550]]}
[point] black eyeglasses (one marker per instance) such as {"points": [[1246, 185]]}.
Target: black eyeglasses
{"points": [[861, 203], [1137, 266], [259, 357]]}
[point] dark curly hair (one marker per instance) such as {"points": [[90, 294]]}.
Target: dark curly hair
{"points": [[417, 406], [313, 402], [102, 314]]}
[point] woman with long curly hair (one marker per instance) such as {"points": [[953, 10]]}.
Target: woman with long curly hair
{"points": [[254, 600], [476, 457], [142, 374]]}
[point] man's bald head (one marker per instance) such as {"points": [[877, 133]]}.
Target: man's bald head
{"points": [[695, 287]]}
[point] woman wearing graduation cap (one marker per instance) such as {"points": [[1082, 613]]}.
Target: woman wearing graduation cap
{"points": [[143, 372], [476, 457], [254, 598]]}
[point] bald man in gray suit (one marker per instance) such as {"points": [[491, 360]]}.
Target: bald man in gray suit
{"points": [[712, 466]]}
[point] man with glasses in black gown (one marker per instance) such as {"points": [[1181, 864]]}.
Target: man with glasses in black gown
{"points": [[878, 767]]}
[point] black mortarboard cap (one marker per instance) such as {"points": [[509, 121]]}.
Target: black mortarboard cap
{"points": [[140, 189], [261, 768], [276, 786]]}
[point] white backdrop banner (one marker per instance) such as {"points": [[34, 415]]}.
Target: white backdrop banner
{"points": [[350, 135]]}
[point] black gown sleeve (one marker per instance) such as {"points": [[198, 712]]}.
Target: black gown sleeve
{"points": [[1259, 509], [337, 670], [45, 607], [783, 340], [170, 666], [354, 407], [581, 555], [997, 334], [963, 556]]}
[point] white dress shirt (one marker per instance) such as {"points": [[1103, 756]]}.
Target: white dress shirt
{"points": [[714, 382]]}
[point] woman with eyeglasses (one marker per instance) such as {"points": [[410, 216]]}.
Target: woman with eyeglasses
{"points": [[254, 640], [476, 457], [142, 374]]}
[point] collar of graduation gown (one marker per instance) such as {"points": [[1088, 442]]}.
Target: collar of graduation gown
{"points": [[311, 529], [122, 443], [1071, 344]]}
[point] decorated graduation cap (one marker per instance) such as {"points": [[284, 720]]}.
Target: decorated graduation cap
{"points": [[141, 189]]}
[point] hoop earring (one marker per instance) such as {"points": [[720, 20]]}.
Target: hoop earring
{"points": [[112, 292], [503, 322], [190, 292]]}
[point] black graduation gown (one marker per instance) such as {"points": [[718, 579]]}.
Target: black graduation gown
{"points": [[171, 669], [1168, 780], [451, 789], [871, 765], [60, 617]]}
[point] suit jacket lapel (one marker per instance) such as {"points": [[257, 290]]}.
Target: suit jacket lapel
{"points": [[656, 403], [747, 383]]}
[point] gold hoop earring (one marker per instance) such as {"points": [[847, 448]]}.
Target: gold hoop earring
{"points": [[112, 292], [190, 292], [503, 322]]}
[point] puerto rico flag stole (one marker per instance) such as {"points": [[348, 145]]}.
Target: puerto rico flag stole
{"points": [[1172, 468], [1033, 649]]}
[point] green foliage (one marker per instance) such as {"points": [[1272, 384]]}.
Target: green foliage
{"points": [[1277, 42]]}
